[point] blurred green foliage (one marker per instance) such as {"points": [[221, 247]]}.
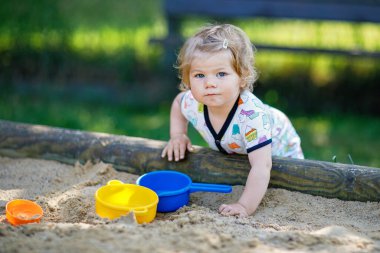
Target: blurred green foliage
{"points": [[86, 42], [89, 65], [31, 16], [78, 41]]}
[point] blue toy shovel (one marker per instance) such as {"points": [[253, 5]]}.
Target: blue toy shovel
{"points": [[173, 188]]}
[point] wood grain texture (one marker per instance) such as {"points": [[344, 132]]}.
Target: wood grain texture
{"points": [[139, 155]]}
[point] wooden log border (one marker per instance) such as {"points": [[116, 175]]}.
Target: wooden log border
{"points": [[139, 155]]}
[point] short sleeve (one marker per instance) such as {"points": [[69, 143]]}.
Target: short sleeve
{"points": [[256, 124]]}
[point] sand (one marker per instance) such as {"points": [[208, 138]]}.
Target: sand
{"points": [[285, 221]]}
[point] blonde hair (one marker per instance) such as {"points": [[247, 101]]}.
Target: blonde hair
{"points": [[215, 38]]}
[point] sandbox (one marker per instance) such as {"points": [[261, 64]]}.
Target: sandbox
{"points": [[286, 221]]}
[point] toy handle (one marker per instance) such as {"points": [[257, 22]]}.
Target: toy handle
{"points": [[200, 187]]}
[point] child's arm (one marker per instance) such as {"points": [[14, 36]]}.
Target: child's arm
{"points": [[179, 141], [256, 185]]}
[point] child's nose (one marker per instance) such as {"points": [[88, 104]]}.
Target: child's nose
{"points": [[210, 83]]}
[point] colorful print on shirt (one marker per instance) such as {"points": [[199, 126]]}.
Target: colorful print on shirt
{"points": [[251, 126], [247, 128]]}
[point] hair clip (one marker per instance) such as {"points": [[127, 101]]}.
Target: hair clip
{"points": [[225, 43]]}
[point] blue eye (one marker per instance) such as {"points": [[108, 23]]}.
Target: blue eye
{"points": [[221, 74], [199, 75]]}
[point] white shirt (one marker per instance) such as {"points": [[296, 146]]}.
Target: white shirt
{"points": [[250, 125]]}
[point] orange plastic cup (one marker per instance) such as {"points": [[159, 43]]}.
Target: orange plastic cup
{"points": [[22, 211]]}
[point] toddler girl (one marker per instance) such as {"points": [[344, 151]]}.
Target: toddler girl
{"points": [[216, 67]]}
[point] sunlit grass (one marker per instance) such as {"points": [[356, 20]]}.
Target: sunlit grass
{"points": [[342, 35], [46, 39], [322, 34], [86, 41], [322, 69], [110, 41], [284, 32]]}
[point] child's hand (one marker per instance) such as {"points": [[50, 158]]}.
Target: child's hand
{"points": [[177, 146], [233, 209]]}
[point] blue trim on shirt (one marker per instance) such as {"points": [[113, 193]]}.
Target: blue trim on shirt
{"points": [[259, 146]]}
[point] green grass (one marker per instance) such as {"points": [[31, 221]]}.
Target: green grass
{"points": [[326, 136], [323, 136]]}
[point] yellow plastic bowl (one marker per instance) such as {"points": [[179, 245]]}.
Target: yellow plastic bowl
{"points": [[22, 211], [117, 199]]}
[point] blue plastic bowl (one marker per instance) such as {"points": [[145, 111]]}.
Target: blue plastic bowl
{"points": [[173, 188]]}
